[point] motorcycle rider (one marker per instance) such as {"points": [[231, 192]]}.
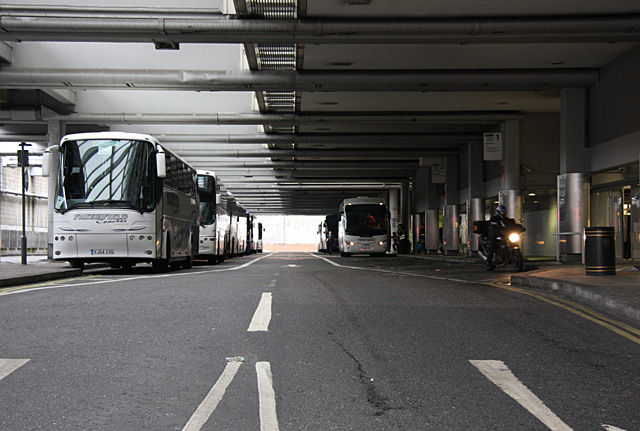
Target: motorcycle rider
{"points": [[496, 224]]}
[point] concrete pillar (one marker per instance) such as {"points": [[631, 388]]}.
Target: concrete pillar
{"points": [[574, 154], [393, 209], [405, 212], [450, 227], [475, 203], [432, 231], [451, 184], [573, 214], [475, 210], [55, 132], [510, 194], [573, 181]]}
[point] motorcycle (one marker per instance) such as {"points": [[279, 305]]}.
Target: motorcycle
{"points": [[507, 248]]}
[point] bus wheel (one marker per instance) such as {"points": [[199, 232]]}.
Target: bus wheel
{"points": [[162, 265], [77, 264], [187, 264]]}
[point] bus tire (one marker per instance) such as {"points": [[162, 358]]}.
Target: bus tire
{"points": [[77, 264], [162, 265], [188, 263]]}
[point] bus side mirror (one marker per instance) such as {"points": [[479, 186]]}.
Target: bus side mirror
{"points": [[46, 162], [161, 164], [49, 160]]}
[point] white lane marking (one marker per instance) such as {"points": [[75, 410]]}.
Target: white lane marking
{"points": [[611, 428], [262, 315], [389, 271], [267, 396], [8, 366], [500, 375], [210, 402], [95, 282], [272, 283]]}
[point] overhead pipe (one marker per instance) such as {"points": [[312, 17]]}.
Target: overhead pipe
{"points": [[540, 29], [285, 119], [368, 153], [278, 80], [318, 139], [362, 165]]}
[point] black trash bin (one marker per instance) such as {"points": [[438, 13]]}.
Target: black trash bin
{"points": [[599, 251]]}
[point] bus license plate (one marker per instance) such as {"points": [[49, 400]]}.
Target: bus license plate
{"points": [[102, 251]]}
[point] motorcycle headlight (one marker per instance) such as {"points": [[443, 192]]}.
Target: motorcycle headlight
{"points": [[514, 237]]}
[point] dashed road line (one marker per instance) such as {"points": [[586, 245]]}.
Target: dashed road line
{"points": [[499, 374], [210, 402], [267, 398], [8, 366], [262, 315]]}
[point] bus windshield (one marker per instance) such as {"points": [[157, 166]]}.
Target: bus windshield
{"points": [[207, 194], [366, 220], [106, 173]]}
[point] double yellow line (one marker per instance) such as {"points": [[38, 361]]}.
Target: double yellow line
{"points": [[620, 328], [45, 284]]}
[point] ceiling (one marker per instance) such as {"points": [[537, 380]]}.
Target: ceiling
{"points": [[350, 94]]}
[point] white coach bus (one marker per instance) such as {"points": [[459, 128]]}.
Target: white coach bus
{"points": [[121, 198], [363, 227], [214, 220]]}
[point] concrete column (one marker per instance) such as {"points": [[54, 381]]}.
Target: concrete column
{"points": [[432, 231], [573, 181], [405, 212], [574, 154], [573, 214], [451, 184], [475, 203], [55, 131], [451, 227], [393, 209], [511, 194], [475, 210]]}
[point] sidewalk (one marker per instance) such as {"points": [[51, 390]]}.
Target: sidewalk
{"points": [[620, 293], [38, 268]]}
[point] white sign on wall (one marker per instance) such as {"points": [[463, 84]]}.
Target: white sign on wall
{"points": [[438, 171], [492, 146]]}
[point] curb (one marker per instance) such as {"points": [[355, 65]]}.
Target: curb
{"points": [[579, 292], [34, 278]]}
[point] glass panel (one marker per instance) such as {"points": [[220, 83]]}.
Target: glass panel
{"points": [[106, 173], [540, 218], [207, 194], [635, 223], [366, 220]]}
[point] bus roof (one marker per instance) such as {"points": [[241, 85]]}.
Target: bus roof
{"points": [[109, 135], [362, 200]]}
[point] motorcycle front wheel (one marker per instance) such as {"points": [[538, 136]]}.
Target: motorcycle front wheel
{"points": [[517, 260], [489, 266]]}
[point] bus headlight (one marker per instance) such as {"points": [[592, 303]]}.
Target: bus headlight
{"points": [[351, 243], [382, 243], [514, 237]]}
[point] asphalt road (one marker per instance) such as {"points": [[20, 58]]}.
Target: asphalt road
{"points": [[296, 341]]}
